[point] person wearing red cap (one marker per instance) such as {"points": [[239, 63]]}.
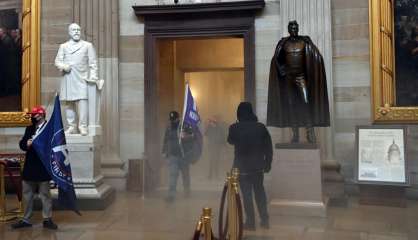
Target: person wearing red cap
{"points": [[35, 176]]}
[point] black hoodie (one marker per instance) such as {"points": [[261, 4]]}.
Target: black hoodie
{"points": [[252, 142]]}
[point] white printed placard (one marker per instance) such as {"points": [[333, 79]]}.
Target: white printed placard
{"points": [[381, 155]]}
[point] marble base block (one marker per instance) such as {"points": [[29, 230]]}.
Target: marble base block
{"points": [[296, 182], [84, 155]]}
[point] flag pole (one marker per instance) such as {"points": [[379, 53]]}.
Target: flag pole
{"points": [[186, 94]]}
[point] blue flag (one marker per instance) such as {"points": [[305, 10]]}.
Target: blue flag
{"points": [[51, 147], [191, 119]]}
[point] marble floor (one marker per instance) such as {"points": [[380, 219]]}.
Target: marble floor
{"points": [[132, 217]]}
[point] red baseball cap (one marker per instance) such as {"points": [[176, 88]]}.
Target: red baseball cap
{"points": [[37, 110]]}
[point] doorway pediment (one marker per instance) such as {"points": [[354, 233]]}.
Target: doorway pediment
{"points": [[185, 9]]}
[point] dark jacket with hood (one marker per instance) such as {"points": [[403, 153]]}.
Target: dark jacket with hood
{"points": [[188, 151], [252, 142], [33, 169], [171, 145]]}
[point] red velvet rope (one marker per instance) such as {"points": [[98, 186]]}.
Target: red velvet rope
{"points": [[17, 186], [196, 234], [222, 231], [240, 217]]}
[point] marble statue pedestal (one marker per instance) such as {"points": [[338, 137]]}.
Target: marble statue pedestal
{"points": [[84, 155], [296, 178]]}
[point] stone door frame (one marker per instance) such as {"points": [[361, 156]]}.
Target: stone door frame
{"points": [[225, 19]]}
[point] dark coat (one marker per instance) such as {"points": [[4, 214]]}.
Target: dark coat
{"points": [[278, 108], [190, 149], [252, 142], [33, 170], [171, 144]]}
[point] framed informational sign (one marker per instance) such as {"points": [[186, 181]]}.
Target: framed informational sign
{"points": [[381, 155]]}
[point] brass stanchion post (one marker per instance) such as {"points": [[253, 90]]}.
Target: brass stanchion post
{"points": [[233, 190], [231, 209], [206, 217], [232, 230]]}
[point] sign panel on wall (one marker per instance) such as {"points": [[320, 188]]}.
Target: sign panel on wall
{"points": [[381, 155]]}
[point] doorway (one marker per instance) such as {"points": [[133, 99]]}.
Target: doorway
{"points": [[214, 69], [169, 27]]}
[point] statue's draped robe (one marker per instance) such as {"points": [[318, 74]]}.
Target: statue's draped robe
{"points": [[81, 56], [280, 113]]}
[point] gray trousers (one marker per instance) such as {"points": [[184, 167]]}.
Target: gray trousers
{"points": [[176, 166], [29, 191]]}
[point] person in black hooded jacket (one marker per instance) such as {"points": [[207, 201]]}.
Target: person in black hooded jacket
{"points": [[253, 157]]}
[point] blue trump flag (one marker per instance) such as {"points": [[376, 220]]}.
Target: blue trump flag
{"points": [[191, 120], [51, 147]]}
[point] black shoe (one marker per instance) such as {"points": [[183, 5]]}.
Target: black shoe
{"points": [[249, 227], [48, 223], [21, 224], [265, 224]]}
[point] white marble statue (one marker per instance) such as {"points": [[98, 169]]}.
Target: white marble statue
{"points": [[76, 59]]}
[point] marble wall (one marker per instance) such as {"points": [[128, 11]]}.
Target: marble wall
{"points": [[350, 32], [131, 82], [352, 89]]}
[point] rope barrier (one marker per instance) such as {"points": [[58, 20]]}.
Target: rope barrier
{"points": [[240, 216], [222, 231], [234, 215], [205, 224], [232, 229], [198, 231]]}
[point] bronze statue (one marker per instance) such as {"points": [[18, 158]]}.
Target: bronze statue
{"points": [[297, 86]]}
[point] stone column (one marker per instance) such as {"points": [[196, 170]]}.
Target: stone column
{"points": [[314, 18], [99, 20]]}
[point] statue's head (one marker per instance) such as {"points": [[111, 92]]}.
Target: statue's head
{"points": [[293, 28], [74, 30]]}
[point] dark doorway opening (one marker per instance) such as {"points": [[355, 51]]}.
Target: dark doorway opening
{"points": [[165, 25]]}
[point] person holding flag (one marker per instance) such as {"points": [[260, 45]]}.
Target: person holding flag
{"points": [[35, 176], [45, 143], [182, 145], [192, 147], [173, 152]]}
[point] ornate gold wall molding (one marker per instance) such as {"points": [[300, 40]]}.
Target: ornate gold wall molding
{"points": [[31, 10], [382, 60], [13, 119]]}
